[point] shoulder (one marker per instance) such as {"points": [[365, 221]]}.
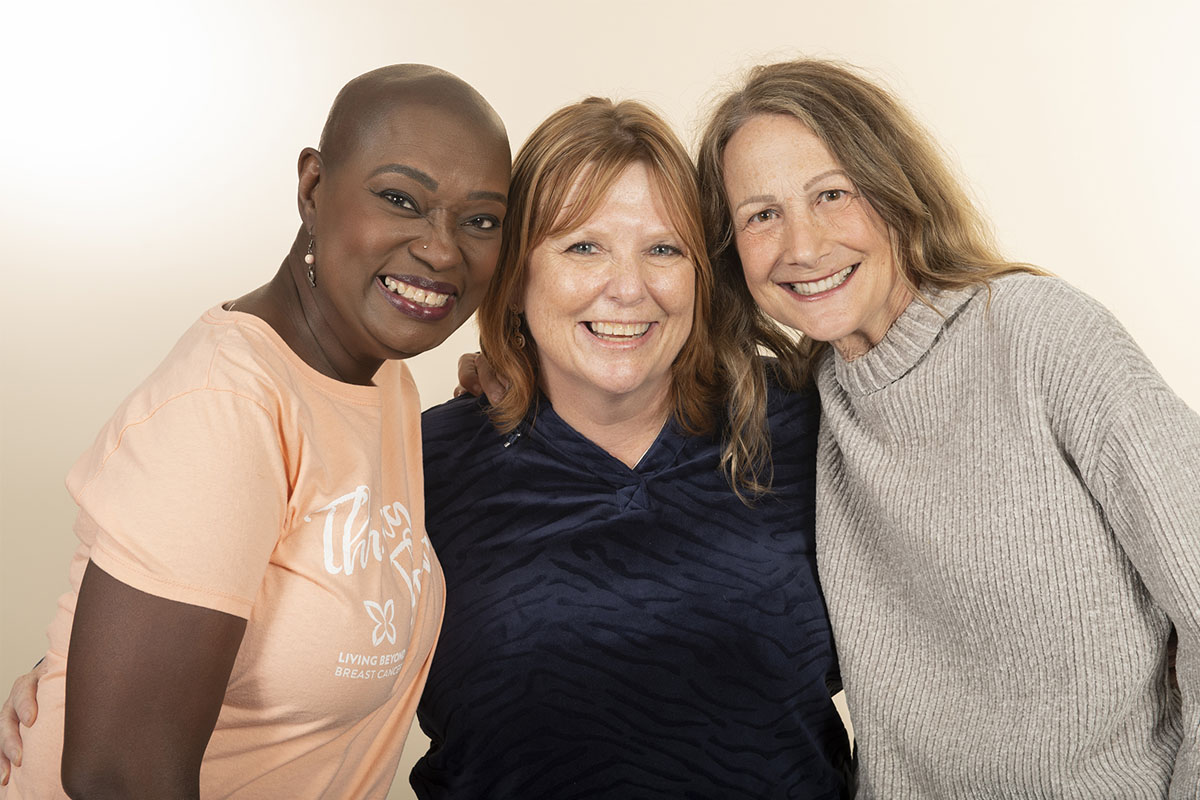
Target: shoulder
{"points": [[465, 460], [454, 418], [1046, 325], [1072, 349], [223, 381], [794, 411], [458, 435], [221, 351], [218, 359], [1047, 318], [793, 418], [1041, 302]]}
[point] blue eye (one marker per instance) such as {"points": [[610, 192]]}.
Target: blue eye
{"points": [[399, 199], [583, 248], [665, 250]]}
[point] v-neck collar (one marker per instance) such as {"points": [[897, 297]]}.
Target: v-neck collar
{"points": [[554, 435]]}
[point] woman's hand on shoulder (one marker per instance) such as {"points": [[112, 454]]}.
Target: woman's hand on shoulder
{"points": [[476, 377], [146, 677], [19, 709]]}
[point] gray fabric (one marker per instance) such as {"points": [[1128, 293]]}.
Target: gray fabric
{"points": [[1008, 524]]}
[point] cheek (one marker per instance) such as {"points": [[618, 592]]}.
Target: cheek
{"points": [[755, 255], [674, 289], [481, 257], [549, 296]]}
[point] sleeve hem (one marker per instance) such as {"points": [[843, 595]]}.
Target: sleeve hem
{"points": [[170, 590]]}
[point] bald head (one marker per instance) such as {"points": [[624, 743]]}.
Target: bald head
{"points": [[366, 101]]}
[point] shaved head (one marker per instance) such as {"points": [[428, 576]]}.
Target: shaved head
{"points": [[366, 101]]}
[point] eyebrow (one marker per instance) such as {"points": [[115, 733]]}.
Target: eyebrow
{"points": [[499, 197], [429, 183], [770, 198], [403, 169], [827, 173], [758, 198]]}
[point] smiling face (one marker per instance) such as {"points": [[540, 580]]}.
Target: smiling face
{"points": [[609, 303], [815, 255], [407, 229]]}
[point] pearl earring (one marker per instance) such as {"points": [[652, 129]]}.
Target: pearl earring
{"points": [[311, 260]]}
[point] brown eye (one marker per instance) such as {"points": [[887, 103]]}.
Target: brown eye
{"points": [[484, 222], [399, 199]]}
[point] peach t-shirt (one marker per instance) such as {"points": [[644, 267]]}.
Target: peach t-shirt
{"points": [[239, 479]]}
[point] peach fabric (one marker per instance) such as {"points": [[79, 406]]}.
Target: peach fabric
{"points": [[237, 478]]}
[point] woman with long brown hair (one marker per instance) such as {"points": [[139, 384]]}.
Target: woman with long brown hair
{"points": [[1008, 518]]}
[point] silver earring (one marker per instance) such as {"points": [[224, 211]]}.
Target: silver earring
{"points": [[424, 247], [311, 260]]}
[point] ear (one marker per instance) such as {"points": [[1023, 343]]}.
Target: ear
{"points": [[310, 168]]}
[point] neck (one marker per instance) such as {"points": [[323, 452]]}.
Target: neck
{"points": [[293, 309], [859, 343], [624, 427]]}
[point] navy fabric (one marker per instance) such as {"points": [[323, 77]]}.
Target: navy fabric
{"points": [[624, 633]]}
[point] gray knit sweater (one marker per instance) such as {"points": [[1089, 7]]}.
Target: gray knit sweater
{"points": [[1008, 526]]}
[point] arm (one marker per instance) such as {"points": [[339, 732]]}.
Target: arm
{"points": [[145, 681], [184, 505], [1137, 448], [19, 709], [1147, 479]]}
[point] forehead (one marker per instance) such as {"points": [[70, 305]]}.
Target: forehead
{"points": [[631, 196], [450, 147], [775, 145]]}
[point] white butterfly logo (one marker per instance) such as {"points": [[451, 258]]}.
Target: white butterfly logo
{"points": [[384, 618]]}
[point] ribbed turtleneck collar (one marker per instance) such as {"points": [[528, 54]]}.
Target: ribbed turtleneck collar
{"points": [[904, 345]]}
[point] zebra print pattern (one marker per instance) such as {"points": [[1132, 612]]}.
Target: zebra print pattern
{"points": [[624, 633]]}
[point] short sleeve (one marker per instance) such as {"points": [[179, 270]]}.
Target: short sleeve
{"points": [[188, 502]]}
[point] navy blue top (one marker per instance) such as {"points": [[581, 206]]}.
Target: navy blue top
{"points": [[624, 633]]}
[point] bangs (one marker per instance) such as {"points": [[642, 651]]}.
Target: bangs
{"points": [[579, 194]]}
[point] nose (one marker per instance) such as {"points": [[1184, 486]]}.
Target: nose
{"points": [[805, 241], [439, 246], [626, 279]]}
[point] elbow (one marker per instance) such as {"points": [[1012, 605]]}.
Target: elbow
{"points": [[87, 784], [84, 779]]}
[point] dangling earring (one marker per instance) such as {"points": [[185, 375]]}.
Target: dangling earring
{"points": [[518, 338], [311, 260]]}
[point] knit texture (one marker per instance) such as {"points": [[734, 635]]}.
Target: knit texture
{"points": [[1008, 526]]}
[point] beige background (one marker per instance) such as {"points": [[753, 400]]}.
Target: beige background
{"points": [[148, 153]]}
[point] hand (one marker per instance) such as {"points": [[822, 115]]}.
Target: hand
{"points": [[20, 708], [475, 376]]}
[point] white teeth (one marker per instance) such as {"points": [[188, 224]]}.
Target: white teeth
{"points": [[823, 285], [422, 297], [618, 330]]}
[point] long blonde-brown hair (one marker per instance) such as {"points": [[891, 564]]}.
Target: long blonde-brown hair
{"points": [[940, 239], [580, 151]]}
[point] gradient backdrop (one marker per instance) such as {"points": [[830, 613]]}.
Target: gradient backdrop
{"points": [[148, 155]]}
